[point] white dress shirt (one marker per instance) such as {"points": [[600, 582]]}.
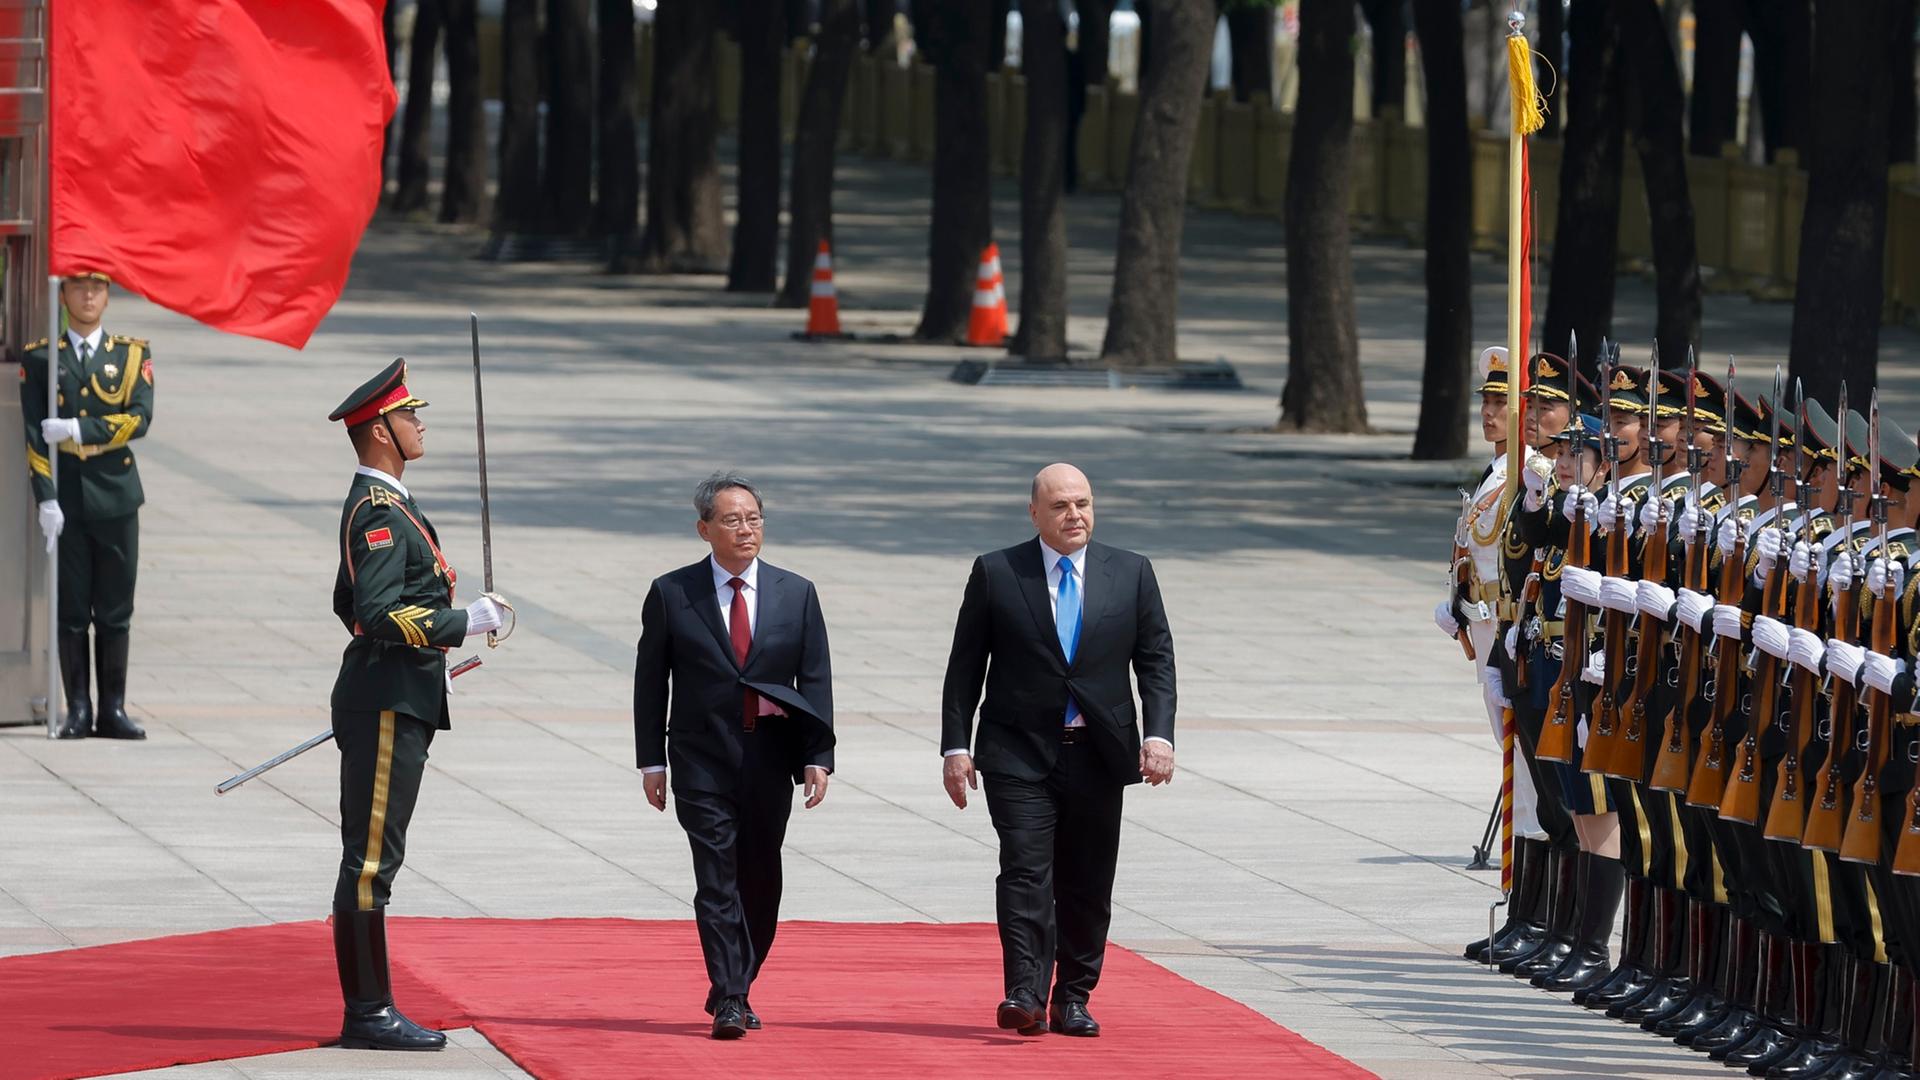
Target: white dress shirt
{"points": [[391, 481], [92, 341]]}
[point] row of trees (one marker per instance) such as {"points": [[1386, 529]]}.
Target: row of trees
{"points": [[573, 171]]}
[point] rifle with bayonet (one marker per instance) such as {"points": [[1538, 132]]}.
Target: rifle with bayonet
{"points": [[1787, 816], [1826, 815], [1861, 843], [1709, 782], [1629, 757], [1673, 763], [1604, 734], [1741, 801], [1556, 740]]}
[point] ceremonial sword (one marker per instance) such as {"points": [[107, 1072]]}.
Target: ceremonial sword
{"points": [[494, 637], [285, 756]]}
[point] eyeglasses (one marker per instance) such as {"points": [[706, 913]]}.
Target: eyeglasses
{"points": [[751, 521]]}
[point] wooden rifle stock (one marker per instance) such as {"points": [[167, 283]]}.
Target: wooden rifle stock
{"points": [[1861, 842], [1629, 760], [1604, 735], [1826, 815], [1709, 780], [1463, 585], [1673, 765], [1741, 800], [1787, 815], [1906, 854], [1529, 603], [1556, 733]]}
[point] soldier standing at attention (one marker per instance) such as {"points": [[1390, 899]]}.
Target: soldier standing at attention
{"points": [[395, 593], [105, 400]]}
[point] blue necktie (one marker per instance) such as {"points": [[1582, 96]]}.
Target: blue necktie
{"points": [[1066, 621]]}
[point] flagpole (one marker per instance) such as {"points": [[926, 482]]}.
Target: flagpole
{"points": [[54, 704]]}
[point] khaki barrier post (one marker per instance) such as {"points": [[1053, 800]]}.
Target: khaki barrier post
{"points": [[1013, 86], [1203, 164], [1791, 183]]}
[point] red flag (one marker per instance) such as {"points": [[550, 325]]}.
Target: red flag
{"points": [[219, 157]]}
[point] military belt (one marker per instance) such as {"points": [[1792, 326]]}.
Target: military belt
{"points": [[81, 450]]}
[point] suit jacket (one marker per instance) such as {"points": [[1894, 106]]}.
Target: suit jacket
{"points": [[688, 689], [1005, 636]]}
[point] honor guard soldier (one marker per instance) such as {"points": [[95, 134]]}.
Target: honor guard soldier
{"points": [[395, 594], [104, 401]]}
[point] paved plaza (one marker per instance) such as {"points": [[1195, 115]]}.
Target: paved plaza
{"points": [[1334, 759]]}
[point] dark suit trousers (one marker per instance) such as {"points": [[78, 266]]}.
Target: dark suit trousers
{"points": [[1059, 841], [736, 838]]}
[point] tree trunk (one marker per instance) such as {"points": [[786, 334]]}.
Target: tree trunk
{"points": [[1388, 21], [1043, 220], [1650, 78], [815, 144], [1782, 33], [956, 41], [1836, 305], [1095, 38], [1714, 113], [1250, 44], [1446, 380], [756, 229], [517, 207], [685, 230], [416, 127], [1323, 391], [464, 195], [1587, 235], [1146, 272], [568, 178], [393, 49], [1902, 107], [1550, 50], [876, 23], [616, 208]]}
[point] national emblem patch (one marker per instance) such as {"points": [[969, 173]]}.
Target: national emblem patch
{"points": [[146, 371], [379, 538]]}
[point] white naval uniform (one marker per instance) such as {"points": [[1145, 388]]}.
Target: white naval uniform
{"points": [[1481, 622]]}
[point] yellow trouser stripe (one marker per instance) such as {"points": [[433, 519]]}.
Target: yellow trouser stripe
{"points": [[1679, 843], [1823, 898], [1646, 833], [1599, 785], [377, 820], [1719, 880], [1873, 913]]}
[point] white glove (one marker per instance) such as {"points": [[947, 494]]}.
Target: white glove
{"points": [[1800, 561], [1536, 486], [52, 520], [1770, 636], [1496, 693], [1844, 660], [1880, 671], [1619, 594], [1769, 544], [1587, 504], [58, 429], [1513, 640], [1653, 515], [1806, 650], [1595, 669], [1690, 607], [1689, 524], [1654, 599], [1731, 533], [1609, 514], [482, 615], [1884, 574], [1840, 573], [1580, 584], [1443, 618], [1726, 621]]}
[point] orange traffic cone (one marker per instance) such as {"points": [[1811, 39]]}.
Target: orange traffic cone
{"points": [[823, 309], [988, 323]]}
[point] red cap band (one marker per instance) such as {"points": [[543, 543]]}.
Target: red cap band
{"points": [[372, 410]]}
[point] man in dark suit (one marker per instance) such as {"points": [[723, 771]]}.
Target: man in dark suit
{"points": [[740, 648], [1051, 626]]}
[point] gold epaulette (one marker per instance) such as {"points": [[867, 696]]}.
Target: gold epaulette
{"points": [[122, 339], [379, 496], [41, 344]]}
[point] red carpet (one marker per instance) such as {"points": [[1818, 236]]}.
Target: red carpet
{"points": [[588, 998]]}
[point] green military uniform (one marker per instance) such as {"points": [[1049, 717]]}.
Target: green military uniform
{"points": [[106, 383]]}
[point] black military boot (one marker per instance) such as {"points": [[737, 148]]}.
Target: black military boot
{"points": [[372, 1023], [1527, 925], [110, 650], [1670, 932], [1708, 943], [76, 675], [1477, 951], [1773, 1005], [1588, 964], [1563, 919], [1635, 971], [1816, 1008], [1895, 1038], [1862, 1052], [1740, 975]]}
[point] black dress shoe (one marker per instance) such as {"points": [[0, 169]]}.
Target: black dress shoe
{"points": [[1022, 1012], [386, 1029], [730, 1018], [1072, 1018], [753, 1018]]}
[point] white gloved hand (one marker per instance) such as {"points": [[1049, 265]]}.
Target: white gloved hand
{"points": [[1654, 599], [1443, 618], [1536, 490], [1805, 649], [1595, 669], [52, 520], [1732, 531], [58, 429], [1496, 693], [1579, 584], [1769, 544], [1844, 660], [1840, 573], [1619, 594], [1885, 574], [1726, 621], [1689, 523], [1513, 640], [1880, 671], [483, 615], [1653, 515], [1583, 500], [1609, 514], [1770, 636], [1690, 608], [1800, 561]]}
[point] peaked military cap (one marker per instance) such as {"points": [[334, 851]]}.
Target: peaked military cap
{"points": [[1766, 406], [378, 396], [1821, 433], [86, 275], [1709, 398], [1748, 423], [1898, 454], [1858, 438], [1550, 377], [1627, 388], [1588, 425], [1493, 370]]}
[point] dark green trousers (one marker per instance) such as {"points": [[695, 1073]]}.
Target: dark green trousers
{"points": [[98, 562], [382, 757]]}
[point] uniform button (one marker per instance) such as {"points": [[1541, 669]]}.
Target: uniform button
{"points": [[84, 392], [128, 460], [83, 412]]}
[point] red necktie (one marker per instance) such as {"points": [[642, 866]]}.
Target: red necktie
{"points": [[741, 631]]}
